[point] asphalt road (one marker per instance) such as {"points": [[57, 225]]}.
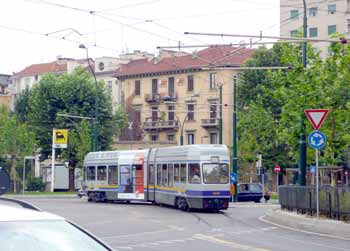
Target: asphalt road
{"points": [[149, 227]]}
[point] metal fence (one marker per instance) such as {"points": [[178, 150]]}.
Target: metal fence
{"points": [[334, 201]]}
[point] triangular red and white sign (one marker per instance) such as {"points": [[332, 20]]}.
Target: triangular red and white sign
{"points": [[316, 117]]}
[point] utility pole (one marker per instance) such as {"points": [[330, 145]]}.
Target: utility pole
{"points": [[220, 114], [302, 176], [234, 143]]}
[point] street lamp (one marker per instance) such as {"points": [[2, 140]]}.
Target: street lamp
{"points": [[24, 170], [96, 124], [183, 122]]}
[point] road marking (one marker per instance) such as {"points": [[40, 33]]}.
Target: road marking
{"points": [[137, 234], [227, 243], [262, 218]]}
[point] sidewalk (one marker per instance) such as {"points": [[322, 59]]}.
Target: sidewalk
{"points": [[43, 196], [308, 224]]}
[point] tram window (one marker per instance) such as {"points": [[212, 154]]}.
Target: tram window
{"points": [[112, 175], [183, 173], [176, 172], [101, 173], [159, 174], [215, 173], [164, 175], [194, 173], [90, 173], [170, 175], [151, 175]]}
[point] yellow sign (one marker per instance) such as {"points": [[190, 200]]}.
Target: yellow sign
{"points": [[60, 138], [233, 189]]}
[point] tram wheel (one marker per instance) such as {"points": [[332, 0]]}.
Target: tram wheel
{"points": [[182, 204]]}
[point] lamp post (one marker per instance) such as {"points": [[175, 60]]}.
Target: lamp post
{"points": [[96, 124], [24, 170], [183, 122]]}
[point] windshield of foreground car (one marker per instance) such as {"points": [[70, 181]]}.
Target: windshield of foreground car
{"points": [[216, 173], [45, 236]]}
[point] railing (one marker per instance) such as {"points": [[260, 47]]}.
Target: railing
{"points": [[210, 122], [334, 201], [151, 125], [152, 98]]}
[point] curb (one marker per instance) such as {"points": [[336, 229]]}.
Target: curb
{"points": [[66, 196], [306, 224]]}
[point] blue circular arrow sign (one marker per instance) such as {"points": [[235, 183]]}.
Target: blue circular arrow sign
{"points": [[317, 140]]}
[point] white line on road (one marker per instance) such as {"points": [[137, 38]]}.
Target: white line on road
{"points": [[227, 243], [262, 218], [137, 234]]}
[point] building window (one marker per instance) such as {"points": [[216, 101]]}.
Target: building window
{"points": [[36, 77], [332, 8], [137, 117], [190, 111], [313, 11], [109, 85], [190, 83], [313, 32], [212, 80], [154, 137], [154, 87], [348, 25], [294, 14], [171, 113], [332, 29], [171, 137], [190, 138], [294, 33], [137, 87], [171, 86], [213, 138], [154, 113]]}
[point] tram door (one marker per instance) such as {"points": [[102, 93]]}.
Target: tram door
{"points": [[131, 182]]}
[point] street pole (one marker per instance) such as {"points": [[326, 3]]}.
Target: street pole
{"points": [[302, 176], [234, 143], [347, 169], [95, 145], [317, 186], [220, 114], [24, 174], [182, 131], [53, 163]]}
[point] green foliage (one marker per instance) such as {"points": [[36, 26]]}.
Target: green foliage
{"points": [[70, 94], [273, 103], [35, 184], [22, 105], [16, 141]]}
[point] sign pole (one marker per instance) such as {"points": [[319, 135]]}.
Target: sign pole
{"points": [[277, 176], [53, 162], [317, 188]]}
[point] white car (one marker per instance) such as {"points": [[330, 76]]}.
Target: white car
{"points": [[25, 229]]}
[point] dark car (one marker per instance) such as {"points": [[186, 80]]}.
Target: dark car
{"points": [[249, 192]]}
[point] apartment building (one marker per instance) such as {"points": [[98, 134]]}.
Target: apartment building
{"points": [[105, 68], [325, 17], [32, 74], [177, 94], [4, 89]]}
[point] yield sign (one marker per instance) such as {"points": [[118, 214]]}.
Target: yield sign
{"points": [[316, 117]]}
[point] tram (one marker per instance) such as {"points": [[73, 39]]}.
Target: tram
{"points": [[186, 177]]}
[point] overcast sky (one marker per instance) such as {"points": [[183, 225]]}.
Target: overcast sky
{"points": [[31, 31]]}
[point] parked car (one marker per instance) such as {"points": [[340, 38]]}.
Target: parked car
{"points": [[30, 229], [249, 192]]}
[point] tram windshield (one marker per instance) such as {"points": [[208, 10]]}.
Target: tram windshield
{"points": [[215, 173]]}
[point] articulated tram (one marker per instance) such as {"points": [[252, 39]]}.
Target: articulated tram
{"points": [[192, 176]]}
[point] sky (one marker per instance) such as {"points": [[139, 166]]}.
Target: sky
{"points": [[37, 31]]}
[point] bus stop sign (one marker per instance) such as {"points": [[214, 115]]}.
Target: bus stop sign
{"points": [[4, 181], [233, 178]]}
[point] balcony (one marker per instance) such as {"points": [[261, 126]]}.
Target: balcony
{"points": [[160, 125], [207, 123], [152, 98]]}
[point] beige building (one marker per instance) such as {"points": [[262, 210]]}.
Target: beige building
{"points": [[105, 68], [324, 19], [33, 73], [177, 93], [4, 89]]}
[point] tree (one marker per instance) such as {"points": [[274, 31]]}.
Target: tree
{"points": [[16, 141], [22, 105], [71, 94]]}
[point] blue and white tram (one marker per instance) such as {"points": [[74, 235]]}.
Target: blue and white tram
{"points": [[192, 176]]}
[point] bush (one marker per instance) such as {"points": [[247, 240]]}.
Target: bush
{"points": [[35, 184]]}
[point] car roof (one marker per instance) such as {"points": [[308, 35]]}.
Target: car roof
{"points": [[11, 213]]}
